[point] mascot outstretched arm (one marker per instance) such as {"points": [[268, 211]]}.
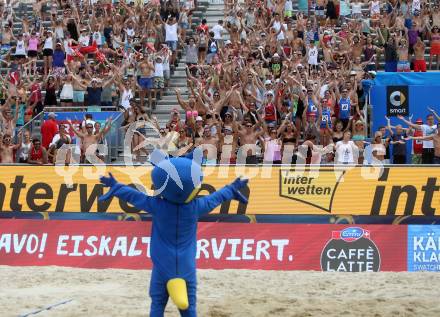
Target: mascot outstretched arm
{"points": [[175, 213]]}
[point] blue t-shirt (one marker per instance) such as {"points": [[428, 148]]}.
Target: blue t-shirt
{"points": [[344, 108]]}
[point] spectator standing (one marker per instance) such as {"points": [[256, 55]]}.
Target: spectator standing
{"points": [[49, 129], [427, 129]]}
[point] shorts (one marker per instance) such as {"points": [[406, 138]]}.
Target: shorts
{"points": [[319, 11], [184, 25], [435, 49], [403, 67], [420, 65], [172, 45], [78, 95], [66, 100], [190, 114], [32, 53], [390, 67], [416, 159], [59, 72], [146, 83], [19, 56], [159, 83], [47, 52], [166, 74]]}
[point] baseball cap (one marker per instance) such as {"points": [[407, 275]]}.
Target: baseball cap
{"points": [[419, 120], [268, 82], [276, 55], [228, 42], [199, 118], [52, 115]]}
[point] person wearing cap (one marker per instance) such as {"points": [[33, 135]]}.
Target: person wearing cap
{"points": [[90, 139], [49, 129], [358, 136], [209, 143], [398, 140], [248, 135], [219, 30], [427, 129], [417, 146], [171, 36], [276, 65], [47, 51], [146, 70], [378, 149], [94, 90], [58, 66], [159, 82], [345, 106], [20, 48], [419, 56], [435, 138], [228, 144]]}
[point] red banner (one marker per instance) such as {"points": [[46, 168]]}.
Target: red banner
{"points": [[114, 244]]}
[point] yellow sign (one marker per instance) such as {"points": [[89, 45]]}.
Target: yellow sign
{"points": [[275, 190]]}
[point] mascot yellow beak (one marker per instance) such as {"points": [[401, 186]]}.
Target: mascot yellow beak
{"points": [[176, 288]]}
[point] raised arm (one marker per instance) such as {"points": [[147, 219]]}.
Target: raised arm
{"points": [[127, 193], [206, 204]]}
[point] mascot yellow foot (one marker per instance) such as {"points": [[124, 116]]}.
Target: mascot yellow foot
{"points": [[177, 290]]}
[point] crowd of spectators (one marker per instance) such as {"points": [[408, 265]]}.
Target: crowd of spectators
{"points": [[268, 83]]}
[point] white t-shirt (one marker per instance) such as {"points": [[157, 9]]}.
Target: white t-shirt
{"points": [[345, 152], [313, 56], [277, 27], [356, 8], [218, 29], [126, 96], [158, 70], [171, 33], [84, 40], [48, 43], [427, 131]]}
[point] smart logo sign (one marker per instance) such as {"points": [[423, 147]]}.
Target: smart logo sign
{"points": [[397, 101], [423, 248], [350, 250]]}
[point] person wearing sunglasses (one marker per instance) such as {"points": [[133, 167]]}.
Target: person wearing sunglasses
{"points": [[7, 148]]}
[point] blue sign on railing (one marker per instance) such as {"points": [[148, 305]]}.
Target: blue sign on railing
{"points": [[423, 248]]}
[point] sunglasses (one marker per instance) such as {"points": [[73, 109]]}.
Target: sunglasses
{"points": [[248, 126]]}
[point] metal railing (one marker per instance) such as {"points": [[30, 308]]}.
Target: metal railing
{"points": [[114, 138]]}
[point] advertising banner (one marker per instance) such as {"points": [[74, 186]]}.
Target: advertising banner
{"points": [[126, 245], [423, 248], [406, 94], [391, 191]]}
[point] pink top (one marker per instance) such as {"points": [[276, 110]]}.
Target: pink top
{"points": [[273, 150], [33, 44]]}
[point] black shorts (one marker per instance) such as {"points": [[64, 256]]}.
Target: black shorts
{"points": [[32, 53], [20, 56], [47, 52], [66, 100]]}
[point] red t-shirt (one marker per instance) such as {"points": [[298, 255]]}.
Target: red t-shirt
{"points": [[418, 144], [36, 155], [48, 131]]}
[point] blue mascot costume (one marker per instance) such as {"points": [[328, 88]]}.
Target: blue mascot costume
{"points": [[175, 212]]}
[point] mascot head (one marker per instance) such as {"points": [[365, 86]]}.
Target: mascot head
{"points": [[177, 179]]}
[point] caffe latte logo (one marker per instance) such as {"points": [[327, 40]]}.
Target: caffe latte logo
{"points": [[350, 250]]}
